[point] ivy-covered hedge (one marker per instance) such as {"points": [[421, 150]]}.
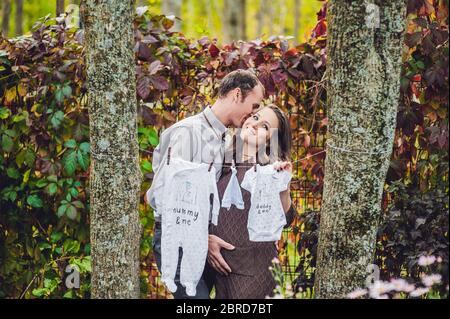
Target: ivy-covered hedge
{"points": [[44, 162]]}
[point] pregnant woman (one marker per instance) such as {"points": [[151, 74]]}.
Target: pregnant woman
{"points": [[245, 273]]}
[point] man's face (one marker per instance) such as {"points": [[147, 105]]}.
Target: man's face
{"points": [[243, 109]]}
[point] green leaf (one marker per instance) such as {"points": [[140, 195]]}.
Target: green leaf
{"points": [[83, 264], [67, 90], [78, 204], [44, 245], [87, 249], [52, 178], [11, 195], [19, 117], [4, 113], [52, 188], [70, 144], [13, 173], [39, 292], [41, 183], [26, 176], [57, 119], [146, 166], [73, 191], [61, 210], [56, 236], [11, 133], [34, 201], [153, 137], [71, 246], [30, 157], [7, 143], [70, 162], [71, 212], [83, 160], [84, 147], [59, 95], [68, 294], [20, 158]]}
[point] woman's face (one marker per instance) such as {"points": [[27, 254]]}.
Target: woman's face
{"points": [[259, 127]]}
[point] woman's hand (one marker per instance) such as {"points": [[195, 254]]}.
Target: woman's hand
{"points": [[283, 166], [285, 196]]}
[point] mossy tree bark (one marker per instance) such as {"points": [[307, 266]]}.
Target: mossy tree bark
{"points": [[115, 175], [364, 63]]}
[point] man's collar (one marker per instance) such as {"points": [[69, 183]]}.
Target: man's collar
{"points": [[214, 121]]}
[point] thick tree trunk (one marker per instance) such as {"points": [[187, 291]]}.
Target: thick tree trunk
{"points": [[19, 17], [364, 63], [115, 176], [234, 20], [173, 7], [59, 7], [6, 11]]}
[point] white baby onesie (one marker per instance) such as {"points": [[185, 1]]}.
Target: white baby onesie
{"points": [[266, 217], [233, 194], [182, 198]]}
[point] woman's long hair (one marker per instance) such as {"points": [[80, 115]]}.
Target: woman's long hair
{"points": [[264, 155]]}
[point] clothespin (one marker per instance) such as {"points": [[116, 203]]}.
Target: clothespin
{"points": [[210, 166], [255, 167], [168, 155], [233, 164]]}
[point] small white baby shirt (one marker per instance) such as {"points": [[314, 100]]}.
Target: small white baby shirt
{"points": [[266, 217], [233, 194], [181, 196]]}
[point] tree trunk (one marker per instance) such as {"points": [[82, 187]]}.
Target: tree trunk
{"points": [[115, 176], [59, 7], [5, 17], [261, 17], [173, 7], [364, 63], [297, 4], [19, 17], [234, 20]]}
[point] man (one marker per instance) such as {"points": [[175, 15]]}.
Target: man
{"points": [[240, 94]]}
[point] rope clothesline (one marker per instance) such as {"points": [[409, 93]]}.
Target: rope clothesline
{"points": [[311, 155]]}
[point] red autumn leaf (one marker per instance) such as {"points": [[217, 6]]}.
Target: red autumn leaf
{"points": [[320, 29], [213, 50], [291, 53]]}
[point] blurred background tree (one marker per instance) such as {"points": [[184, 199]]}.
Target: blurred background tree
{"points": [[226, 20]]}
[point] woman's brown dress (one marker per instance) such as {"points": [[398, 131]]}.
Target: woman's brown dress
{"points": [[249, 261]]}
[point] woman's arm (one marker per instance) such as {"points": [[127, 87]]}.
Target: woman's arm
{"points": [[285, 196]]}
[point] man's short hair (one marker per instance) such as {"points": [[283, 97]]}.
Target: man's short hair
{"points": [[243, 79]]}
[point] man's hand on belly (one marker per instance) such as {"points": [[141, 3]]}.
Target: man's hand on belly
{"points": [[215, 258]]}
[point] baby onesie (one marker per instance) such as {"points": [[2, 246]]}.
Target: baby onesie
{"points": [[182, 199], [266, 216], [233, 194]]}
